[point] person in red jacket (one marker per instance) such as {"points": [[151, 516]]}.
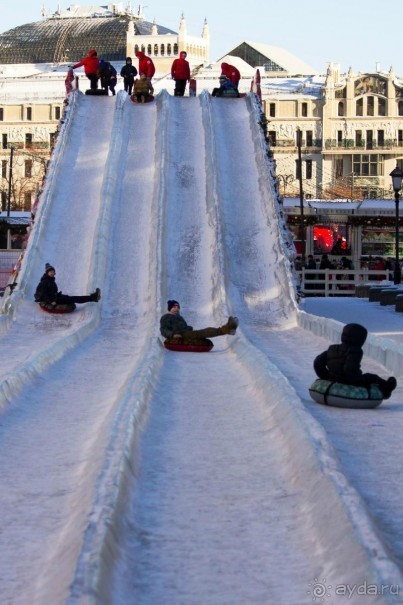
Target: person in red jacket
{"points": [[146, 66], [180, 72], [232, 73], [91, 66]]}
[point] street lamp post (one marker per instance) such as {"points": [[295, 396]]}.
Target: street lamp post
{"points": [[397, 176]]}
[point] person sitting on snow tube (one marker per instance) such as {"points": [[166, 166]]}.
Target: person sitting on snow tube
{"points": [[226, 89], [174, 327], [47, 293], [342, 362], [143, 90]]}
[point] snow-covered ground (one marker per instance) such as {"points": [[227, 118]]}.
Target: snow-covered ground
{"points": [[130, 474]]}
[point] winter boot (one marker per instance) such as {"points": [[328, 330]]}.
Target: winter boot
{"points": [[96, 296], [388, 386], [231, 326]]}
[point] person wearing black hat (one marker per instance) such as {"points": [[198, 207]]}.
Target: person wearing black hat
{"points": [[173, 326], [342, 362], [47, 291]]}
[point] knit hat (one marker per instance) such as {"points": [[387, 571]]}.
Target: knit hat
{"points": [[48, 267], [171, 303]]}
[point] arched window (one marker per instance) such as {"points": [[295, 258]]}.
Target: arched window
{"points": [[149, 51], [156, 50], [340, 109], [169, 49], [162, 50], [359, 107], [175, 49], [143, 48], [381, 107]]}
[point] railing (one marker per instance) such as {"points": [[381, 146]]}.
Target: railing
{"points": [[337, 282]]}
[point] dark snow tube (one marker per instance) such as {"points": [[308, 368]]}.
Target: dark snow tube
{"points": [[204, 345], [345, 395], [67, 308]]}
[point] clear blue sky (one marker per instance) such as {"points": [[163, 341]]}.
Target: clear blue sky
{"points": [[351, 32]]}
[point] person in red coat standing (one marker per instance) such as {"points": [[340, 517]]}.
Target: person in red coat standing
{"points": [[91, 66], [232, 73], [180, 72], [146, 66]]}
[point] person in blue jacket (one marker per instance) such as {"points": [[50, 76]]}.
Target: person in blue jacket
{"points": [[226, 88]]}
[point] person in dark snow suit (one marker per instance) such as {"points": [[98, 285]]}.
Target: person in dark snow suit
{"points": [[232, 73], [107, 75], [128, 73], [180, 72], [146, 66], [174, 327], [342, 363], [48, 294], [91, 66]]}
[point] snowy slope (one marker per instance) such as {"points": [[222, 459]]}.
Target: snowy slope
{"points": [[132, 474]]}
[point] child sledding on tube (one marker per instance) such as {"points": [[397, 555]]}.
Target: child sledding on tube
{"points": [[47, 292], [175, 329]]}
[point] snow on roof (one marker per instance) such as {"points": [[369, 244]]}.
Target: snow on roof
{"points": [[309, 86], [292, 64], [213, 70]]}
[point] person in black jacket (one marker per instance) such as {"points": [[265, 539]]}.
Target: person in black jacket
{"points": [[128, 73], [173, 326], [342, 363], [48, 294], [107, 75]]}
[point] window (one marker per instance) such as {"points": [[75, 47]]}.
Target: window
{"points": [[340, 109], [339, 168], [57, 113], [156, 50], [339, 138], [29, 113], [309, 138], [400, 108], [381, 107], [297, 169], [358, 138], [1, 114], [28, 168], [175, 49], [162, 50], [370, 139], [3, 200], [272, 138], [368, 165], [4, 141], [370, 106], [169, 50], [272, 110], [4, 169], [400, 138], [359, 107], [304, 110], [308, 169], [28, 140], [27, 200], [381, 138]]}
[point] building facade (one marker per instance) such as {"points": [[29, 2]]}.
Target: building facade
{"points": [[351, 132]]}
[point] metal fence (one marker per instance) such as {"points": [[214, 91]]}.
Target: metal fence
{"points": [[8, 260], [338, 282]]}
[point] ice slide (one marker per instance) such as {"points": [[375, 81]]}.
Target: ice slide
{"points": [[163, 477]]}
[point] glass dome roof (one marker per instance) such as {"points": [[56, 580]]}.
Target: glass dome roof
{"points": [[56, 40]]}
